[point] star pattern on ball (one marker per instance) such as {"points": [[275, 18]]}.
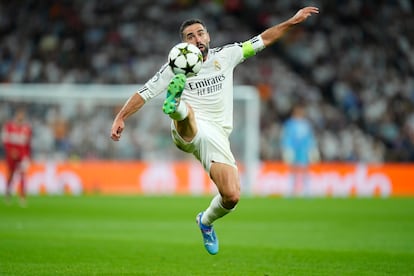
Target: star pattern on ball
{"points": [[189, 69], [184, 51], [171, 63]]}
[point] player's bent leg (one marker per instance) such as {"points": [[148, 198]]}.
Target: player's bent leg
{"points": [[227, 181]]}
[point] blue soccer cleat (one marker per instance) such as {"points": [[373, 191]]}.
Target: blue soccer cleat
{"points": [[175, 89], [209, 236]]}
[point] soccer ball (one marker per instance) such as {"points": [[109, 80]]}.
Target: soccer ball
{"points": [[185, 58]]}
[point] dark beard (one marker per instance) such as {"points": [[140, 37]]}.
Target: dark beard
{"points": [[204, 52]]}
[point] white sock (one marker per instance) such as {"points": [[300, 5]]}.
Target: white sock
{"points": [[181, 112], [214, 211]]}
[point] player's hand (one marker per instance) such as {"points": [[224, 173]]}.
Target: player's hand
{"points": [[117, 128], [304, 13]]}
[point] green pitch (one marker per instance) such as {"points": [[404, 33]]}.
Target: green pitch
{"points": [[97, 235]]}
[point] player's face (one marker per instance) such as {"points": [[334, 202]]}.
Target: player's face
{"points": [[20, 116], [196, 34]]}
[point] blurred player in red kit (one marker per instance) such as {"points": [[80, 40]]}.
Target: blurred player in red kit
{"points": [[16, 137]]}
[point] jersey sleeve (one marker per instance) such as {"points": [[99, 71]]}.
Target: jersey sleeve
{"points": [[157, 84], [252, 46], [240, 51]]}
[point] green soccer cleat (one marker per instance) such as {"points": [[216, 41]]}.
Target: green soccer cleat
{"points": [[175, 89]]}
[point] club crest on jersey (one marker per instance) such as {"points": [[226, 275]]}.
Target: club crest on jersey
{"points": [[217, 65]]}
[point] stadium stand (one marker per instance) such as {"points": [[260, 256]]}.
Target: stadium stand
{"points": [[353, 64]]}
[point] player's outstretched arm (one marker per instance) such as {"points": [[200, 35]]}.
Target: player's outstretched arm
{"points": [[132, 105], [270, 35]]}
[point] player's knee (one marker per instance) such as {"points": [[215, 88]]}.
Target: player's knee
{"points": [[230, 200]]}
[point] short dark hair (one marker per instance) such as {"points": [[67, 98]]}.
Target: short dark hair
{"points": [[190, 22]]}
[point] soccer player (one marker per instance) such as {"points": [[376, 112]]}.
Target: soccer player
{"points": [[202, 117], [16, 137], [299, 149]]}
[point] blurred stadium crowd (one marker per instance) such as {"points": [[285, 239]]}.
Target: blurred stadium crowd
{"points": [[353, 63]]}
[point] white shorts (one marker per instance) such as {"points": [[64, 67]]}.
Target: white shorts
{"points": [[211, 144]]}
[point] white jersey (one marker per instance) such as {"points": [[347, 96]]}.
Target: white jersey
{"points": [[210, 93]]}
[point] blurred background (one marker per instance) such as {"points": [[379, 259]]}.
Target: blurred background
{"points": [[353, 63]]}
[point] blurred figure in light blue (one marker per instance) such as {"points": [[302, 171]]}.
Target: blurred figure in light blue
{"points": [[299, 149]]}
